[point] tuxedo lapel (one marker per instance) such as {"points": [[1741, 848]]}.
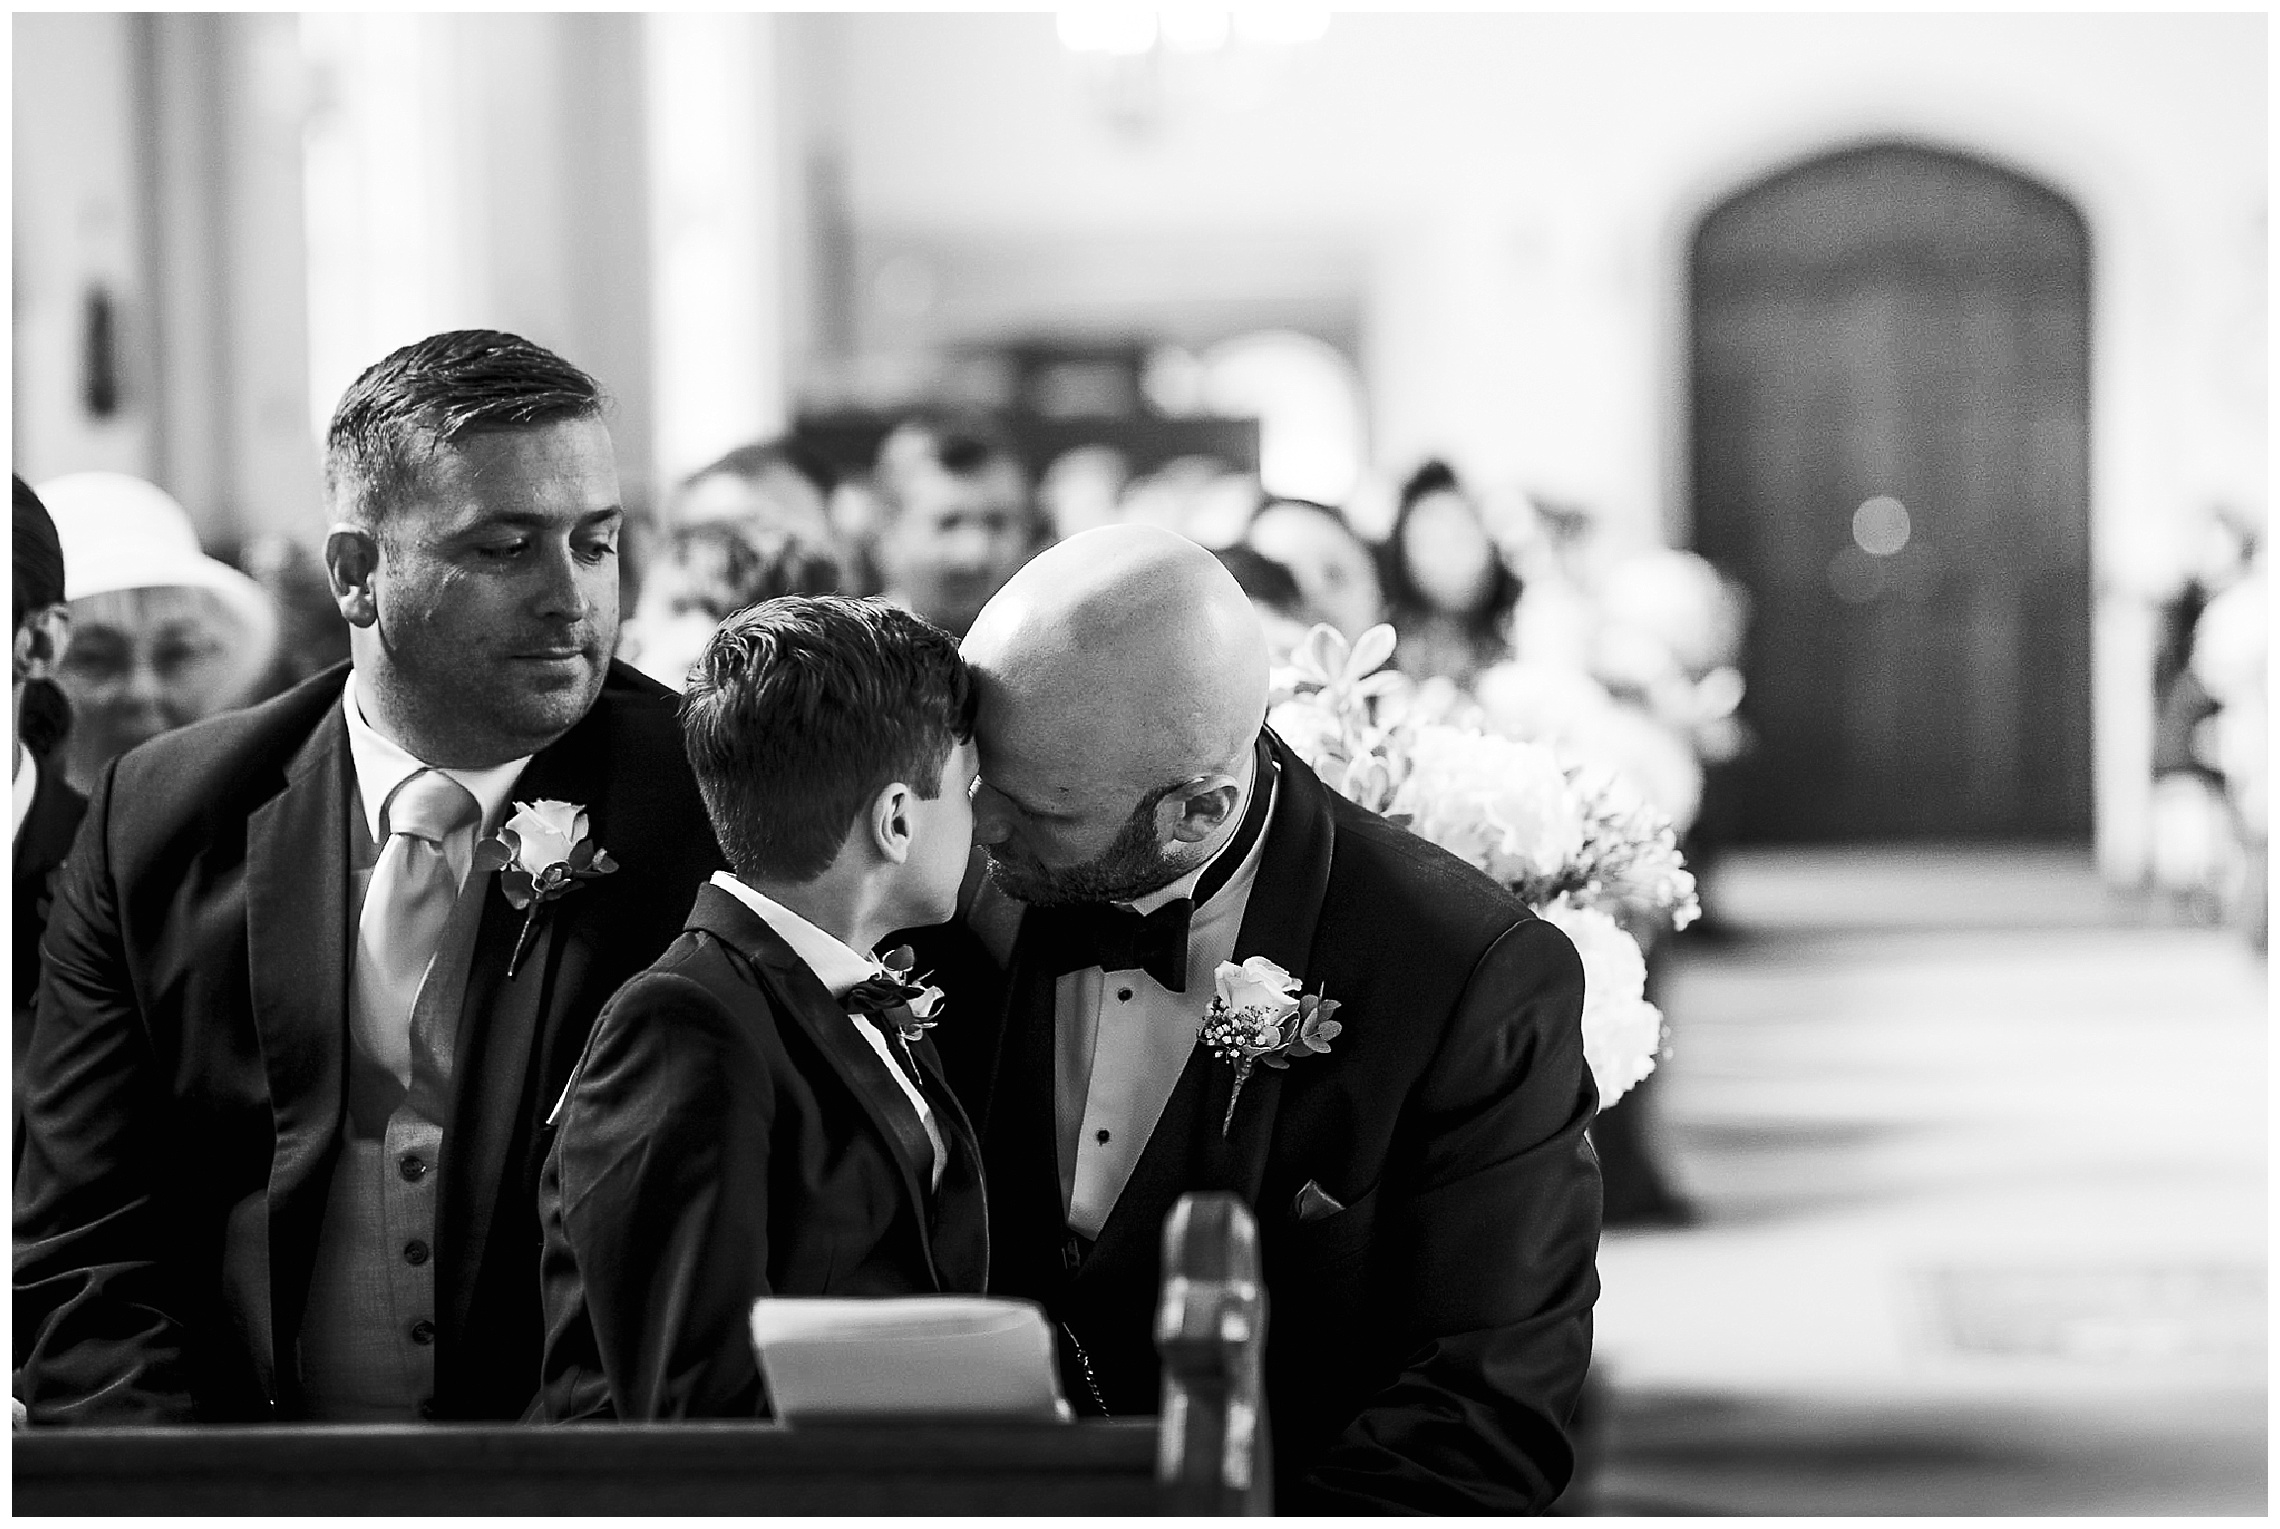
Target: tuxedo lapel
{"points": [[1187, 1150], [960, 1224], [500, 1022], [1279, 923], [297, 939], [806, 1003], [1020, 1146]]}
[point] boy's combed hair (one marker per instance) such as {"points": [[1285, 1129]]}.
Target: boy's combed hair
{"points": [[428, 394], [802, 709]]}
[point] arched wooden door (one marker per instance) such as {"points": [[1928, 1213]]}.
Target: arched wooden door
{"points": [[1890, 415]]}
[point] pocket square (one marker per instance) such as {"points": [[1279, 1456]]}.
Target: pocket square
{"points": [[1313, 1203]]}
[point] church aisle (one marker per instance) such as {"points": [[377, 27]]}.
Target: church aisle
{"points": [[1979, 1152]]}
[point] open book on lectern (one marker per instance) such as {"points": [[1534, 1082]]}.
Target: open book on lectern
{"points": [[947, 1355]]}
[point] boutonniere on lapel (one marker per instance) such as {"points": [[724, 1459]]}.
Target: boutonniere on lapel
{"points": [[543, 852], [911, 1003], [1259, 1015]]}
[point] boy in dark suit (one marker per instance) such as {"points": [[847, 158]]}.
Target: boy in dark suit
{"points": [[760, 1112]]}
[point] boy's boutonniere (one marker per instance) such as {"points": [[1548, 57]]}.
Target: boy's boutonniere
{"points": [[912, 1003], [1258, 1015], [541, 853]]}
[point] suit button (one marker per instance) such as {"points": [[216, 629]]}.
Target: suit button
{"points": [[415, 1252], [413, 1167], [423, 1332]]}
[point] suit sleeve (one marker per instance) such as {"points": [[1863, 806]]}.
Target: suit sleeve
{"points": [[99, 1325], [662, 1168], [1488, 1242]]}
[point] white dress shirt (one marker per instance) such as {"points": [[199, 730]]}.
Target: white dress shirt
{"points": [[838, 966], [1121, 1040], [380, 765]]}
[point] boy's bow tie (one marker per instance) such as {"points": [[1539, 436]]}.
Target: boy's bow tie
{"points": [[879, 994], [892, 994]]}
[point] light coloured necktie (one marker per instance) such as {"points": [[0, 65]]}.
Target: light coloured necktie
{"points": [[406, 907]]}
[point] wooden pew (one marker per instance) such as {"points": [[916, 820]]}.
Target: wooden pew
{"points": [[1206, 1455]]}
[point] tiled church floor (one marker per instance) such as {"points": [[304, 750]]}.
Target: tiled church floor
{"points": [[1979, 1156]]}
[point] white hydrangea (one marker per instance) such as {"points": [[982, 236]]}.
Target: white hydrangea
{"points": [[1559, 814], [1496, 803], [1622, 1032]]}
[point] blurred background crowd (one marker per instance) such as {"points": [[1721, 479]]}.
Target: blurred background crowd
{"points": [[1849, 427], [1939, 338]]}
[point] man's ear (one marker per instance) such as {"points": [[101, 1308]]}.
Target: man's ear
{"points": [[352, 559], [41, 643], [1203, 806], [892, 823]]}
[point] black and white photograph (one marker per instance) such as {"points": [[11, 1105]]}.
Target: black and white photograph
{"points": [[1185, 760]]}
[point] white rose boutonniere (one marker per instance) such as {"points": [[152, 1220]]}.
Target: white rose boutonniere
{"points": [[1259, 1015], [544, 851]]}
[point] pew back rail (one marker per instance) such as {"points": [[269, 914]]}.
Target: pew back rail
{"points": [[1206, 1456]]}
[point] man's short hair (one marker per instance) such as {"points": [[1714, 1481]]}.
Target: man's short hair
{"points": [[414, 401], [801, 710]]}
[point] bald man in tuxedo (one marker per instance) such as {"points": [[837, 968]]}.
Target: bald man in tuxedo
{"points": [[1428, 1205]]}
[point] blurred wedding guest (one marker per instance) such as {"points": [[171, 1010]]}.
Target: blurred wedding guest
{"points": [[1334, 567], [1273, 593], [2231, 659], [706, 572], [1447, 590], [1082, 489], [47, 810], [162, 635], [312, 637], [1197, 496], [2195, 850], [953, 518], [777, 485]]}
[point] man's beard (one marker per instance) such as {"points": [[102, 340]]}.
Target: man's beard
{"points": [[1132, 866]]}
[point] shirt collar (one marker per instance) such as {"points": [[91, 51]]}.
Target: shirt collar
{"points": [[27, 786], [836, 964], [381, 765], [1186, 885]]}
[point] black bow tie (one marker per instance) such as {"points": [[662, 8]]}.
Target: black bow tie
{"points": [[884, 1000], [1074, 936], [877, 995]]}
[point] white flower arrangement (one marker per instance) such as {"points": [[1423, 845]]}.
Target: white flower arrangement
{"points": [[1577, 842], [1622, 1032]]}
